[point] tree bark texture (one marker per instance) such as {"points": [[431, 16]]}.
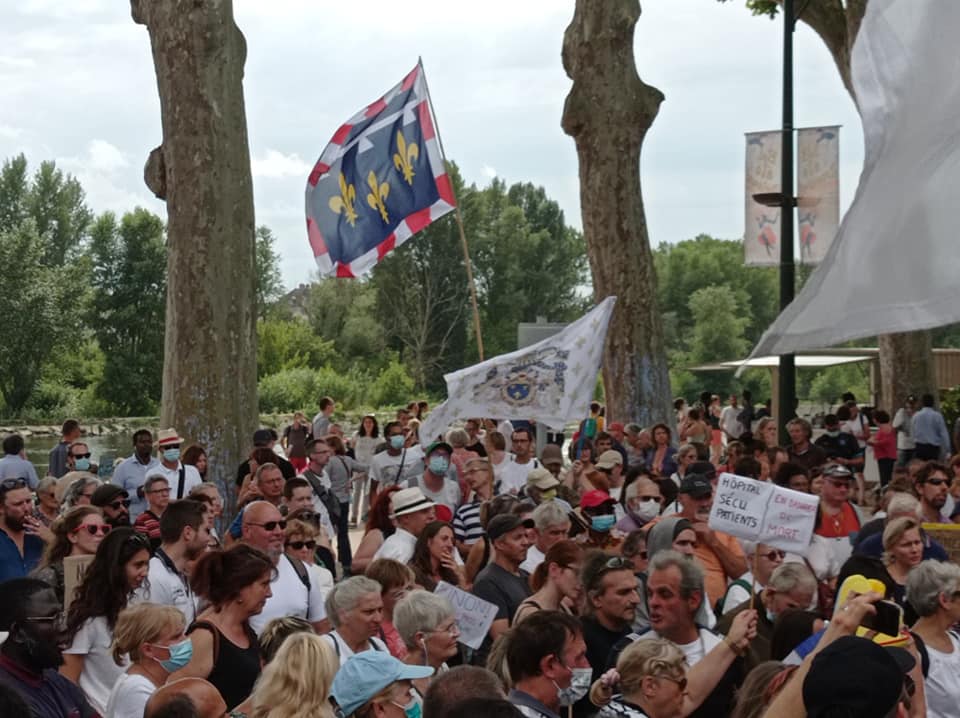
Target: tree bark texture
{"points": [[906, 359], [608, 112], [202, 170]]}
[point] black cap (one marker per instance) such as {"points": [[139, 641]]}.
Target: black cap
{"points": [[856, 674], [262, 437], [697, 485], [703, 467], [504, 524], [106, 493]]}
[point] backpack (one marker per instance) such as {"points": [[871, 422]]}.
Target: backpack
{"points": [[718, 609], [326, 497]]}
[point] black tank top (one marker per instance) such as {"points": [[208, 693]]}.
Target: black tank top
{"points": [[235, 669]]}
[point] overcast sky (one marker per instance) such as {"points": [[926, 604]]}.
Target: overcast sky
{"points": [[77, 85]]}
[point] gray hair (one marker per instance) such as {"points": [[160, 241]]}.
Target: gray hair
{"points": [[686, 449], [927, 581], [345, 595], [269, 466], [458, 438], [548, 514], [420, 611], [790, 577], [902, 504], [691, 573], [76, 489], [632, 429], [46, 483]]}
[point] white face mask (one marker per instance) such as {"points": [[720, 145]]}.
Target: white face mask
{"points": [[644, 511], [580, 681]]}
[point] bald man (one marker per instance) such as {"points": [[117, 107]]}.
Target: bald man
{"points": [[293, 593], [206, 700]]}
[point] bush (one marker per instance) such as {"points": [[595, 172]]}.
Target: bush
{"points": [[288, 390], [394, 386]]}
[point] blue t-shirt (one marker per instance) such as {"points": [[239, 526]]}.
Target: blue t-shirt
{"points": [[12, 564], [873, 546]]}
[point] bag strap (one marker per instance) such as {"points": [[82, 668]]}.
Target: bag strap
{"points": [[182, 481], [403, 460], [301, 569], [216, 635]]}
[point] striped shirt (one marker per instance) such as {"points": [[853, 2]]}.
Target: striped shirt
{"points": [[466, 523]]}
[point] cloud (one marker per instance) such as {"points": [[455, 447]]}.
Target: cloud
{"points": [[276, 165], [488, 171], [105, 157], [9, 132]]}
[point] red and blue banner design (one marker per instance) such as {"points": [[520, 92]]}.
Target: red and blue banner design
{"points": [[380, 181]]}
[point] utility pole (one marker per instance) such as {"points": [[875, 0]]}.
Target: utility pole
{"points": [[787, 376]]}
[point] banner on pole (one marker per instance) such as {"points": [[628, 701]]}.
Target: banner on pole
{"points": [[765, 513], [761, 234], [818, 190]]}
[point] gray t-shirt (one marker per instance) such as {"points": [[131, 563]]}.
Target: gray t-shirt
{"points": [[503, 589]]}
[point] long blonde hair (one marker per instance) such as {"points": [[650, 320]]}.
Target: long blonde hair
{"points": [[296, 683]]}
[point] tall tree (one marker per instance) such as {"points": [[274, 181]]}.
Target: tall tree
{"points": [[608, 112], [906, 358], [129, 281], [202, 170], [269, 279]]}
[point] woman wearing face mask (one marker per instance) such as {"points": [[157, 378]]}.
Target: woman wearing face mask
{"points": [[374, 684], [428, 626], [118, 569], [597, 509], [641, 500], [556, 582], [152, 636], [76, 533]]}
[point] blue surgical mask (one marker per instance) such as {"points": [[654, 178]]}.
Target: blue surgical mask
{"points": [[396, 441], [413, 709], [171, 454], [180, 655], [603, 523], [81, 464], [439, 465]]}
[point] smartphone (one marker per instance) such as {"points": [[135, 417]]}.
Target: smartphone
{"points": [[886, 620]]}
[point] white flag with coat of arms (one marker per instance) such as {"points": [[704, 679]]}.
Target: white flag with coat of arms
{"points": [[550, 382]]}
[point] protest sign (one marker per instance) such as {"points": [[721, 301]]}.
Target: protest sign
{"points": [[948, 536], [474, 615], [73, 569], [764, 513]]}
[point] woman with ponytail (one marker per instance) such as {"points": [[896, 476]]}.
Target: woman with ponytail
{"points": [[236, 585], [556, 582]]}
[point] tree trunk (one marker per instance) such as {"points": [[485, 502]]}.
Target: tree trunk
{"points": [[608, 112], [906, 359], [202, 170]]}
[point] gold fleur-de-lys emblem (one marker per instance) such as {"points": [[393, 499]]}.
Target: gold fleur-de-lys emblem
{"points": [[405, 156], [344, 203], [378, 195]]}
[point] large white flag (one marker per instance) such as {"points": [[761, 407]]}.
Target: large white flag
{"points": [[551, 381], [894, 265]]}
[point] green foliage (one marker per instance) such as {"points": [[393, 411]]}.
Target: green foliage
{"points": [[344, 312], [833, 381], [718, 325], [127, 308], [950, 406], [393, 386], [301, 388], [269, 280], [770, 8], [289, 344]]}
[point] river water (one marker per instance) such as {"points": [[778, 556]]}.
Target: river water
{"points": [[103, 447]]}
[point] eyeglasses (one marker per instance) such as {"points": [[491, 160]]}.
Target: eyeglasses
{"points": [[270, 525], [681, 682], [936, 482], [11, 484], [139, 539], [159, 491], [774, 555], [616, 562], [94, 529], [81, 456], [117, 504], [299, 545], [452, 629]]}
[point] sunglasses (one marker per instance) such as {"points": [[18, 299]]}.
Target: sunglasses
{"points": [[616, 562], [270, 525], [936, 482], [299, 545], [81, 456], [774, 555], [10, 484], [117, 504], [94, 529], [681, 682]]}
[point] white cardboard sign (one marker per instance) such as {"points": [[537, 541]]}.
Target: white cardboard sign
{"points": [[764, 513], [474, 615]]}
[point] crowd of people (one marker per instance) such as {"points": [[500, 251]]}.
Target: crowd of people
{"points": [[608, 592]]}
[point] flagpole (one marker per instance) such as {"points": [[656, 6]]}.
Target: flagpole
{"points": [[456, 208]]}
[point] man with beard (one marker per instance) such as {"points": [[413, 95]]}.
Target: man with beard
{"points": [[20, 547], [30, 656], [132, 473], [292, 595], [184, 535], [115, 504]]}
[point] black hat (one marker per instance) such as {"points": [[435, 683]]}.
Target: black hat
{"points": [[856, 674], [703, 467], [504, 524], [262, 437], [106, 493], [697, 485]]}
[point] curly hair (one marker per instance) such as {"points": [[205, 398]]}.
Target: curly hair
{"points": [[422, 564], [105, 589]]}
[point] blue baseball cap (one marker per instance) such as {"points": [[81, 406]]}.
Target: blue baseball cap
{"points": [[365, 674]]}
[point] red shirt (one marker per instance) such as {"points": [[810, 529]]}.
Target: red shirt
{"points": [[838, 525], [885, 444]]}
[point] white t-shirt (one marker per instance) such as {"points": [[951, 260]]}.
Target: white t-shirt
{"points": [[730, 423], [534, 558], [290, 598], [513, 476], [448, 495], [737, 594], [100, 673], [168, 588], [191, 478], [695, 650], [343, 651], [943, 682], [129, 696], [320, 577], [389, 470]]}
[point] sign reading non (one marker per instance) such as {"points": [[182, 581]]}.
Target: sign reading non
{"points": [[474, 616], [764, 513]]}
